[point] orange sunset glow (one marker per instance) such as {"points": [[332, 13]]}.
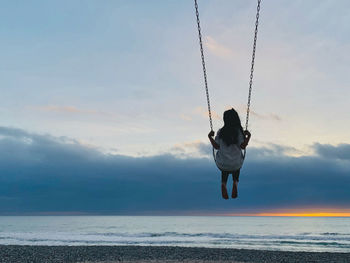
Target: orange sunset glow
{"points": [[324, 214], [318, 212]]}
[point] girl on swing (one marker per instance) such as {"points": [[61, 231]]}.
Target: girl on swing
{"points": [[229, 142]]}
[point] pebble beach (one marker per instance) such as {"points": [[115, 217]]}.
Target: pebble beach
{"points": [[111, 254]]}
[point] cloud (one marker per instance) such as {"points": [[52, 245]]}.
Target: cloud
{"points": [[191, 149], [262, 116], [65, 109], [274, 151], [185, 117], [340, 152], [74, 110], [204, 113], [270, 116], [217, 48], [42, 173]]}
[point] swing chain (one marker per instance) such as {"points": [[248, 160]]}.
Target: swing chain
{"points": [[251, 69], [252, 64], [203, 64]]}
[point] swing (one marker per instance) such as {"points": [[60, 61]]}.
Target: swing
{"points": [[251, 70]]}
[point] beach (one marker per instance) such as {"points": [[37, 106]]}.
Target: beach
{"points": [[110, 254]]}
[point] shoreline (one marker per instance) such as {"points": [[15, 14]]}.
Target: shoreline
{"points": [[19, 253]]}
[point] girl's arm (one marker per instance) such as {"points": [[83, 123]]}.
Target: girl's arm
{"points": [[212, 141], [247, 136]]}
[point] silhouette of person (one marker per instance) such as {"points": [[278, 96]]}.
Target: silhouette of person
{"points": [[229, 142]]}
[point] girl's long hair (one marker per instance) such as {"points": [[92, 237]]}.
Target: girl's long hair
{"points": [[232, 127]]}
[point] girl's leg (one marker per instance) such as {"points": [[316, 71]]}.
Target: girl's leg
{"points": [[234, 189], [235, 176], [224, 177]]}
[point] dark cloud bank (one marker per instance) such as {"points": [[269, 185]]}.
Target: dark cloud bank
{"points": [[46, 174]]}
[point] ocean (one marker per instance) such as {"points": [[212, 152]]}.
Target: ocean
{"points": [[267, 233]]}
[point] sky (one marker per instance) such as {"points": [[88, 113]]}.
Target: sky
{"points": [[103, 106]]}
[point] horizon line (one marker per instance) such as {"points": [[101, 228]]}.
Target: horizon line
{"points": [[267, 214]]}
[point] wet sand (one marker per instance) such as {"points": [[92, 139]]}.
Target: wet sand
{"points": [[109, 254]]}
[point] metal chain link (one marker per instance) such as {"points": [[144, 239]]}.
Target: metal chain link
{"points": [[203, 65], [252, 64]]}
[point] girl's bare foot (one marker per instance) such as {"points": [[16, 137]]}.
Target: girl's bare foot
{"points": [[234, 190], [224, 191]]}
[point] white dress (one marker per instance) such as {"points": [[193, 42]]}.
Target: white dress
{"points": [[229, 157]]}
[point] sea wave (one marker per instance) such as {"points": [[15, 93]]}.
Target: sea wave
{"points": [[174, 238], [223, 232], [309, 236]]}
